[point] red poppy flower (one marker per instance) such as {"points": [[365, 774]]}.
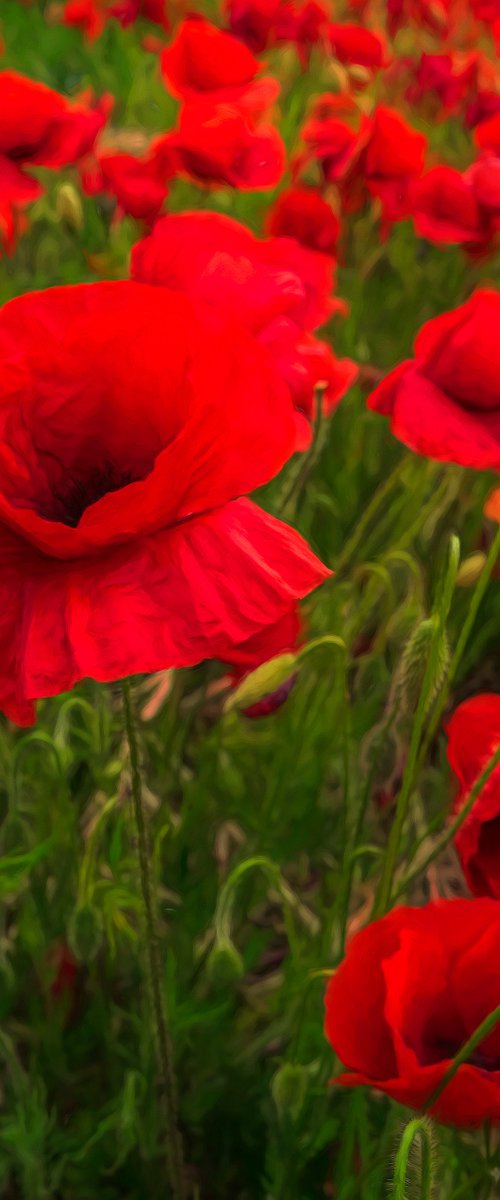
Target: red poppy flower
{"points": [[131, 427], [41, 128], [88, 15], [487, 134], [205, 63], [217, 144], [302, 213], [412, 989], [329, 138], [445, 403], [133, 180], [449, 77], [280, 291], [473, 736], [354, 44], [445, 208], [254, 21], [394, 157], [91, 16]]}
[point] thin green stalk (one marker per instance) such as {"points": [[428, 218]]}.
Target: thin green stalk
{"points": [[166, 1060], [376, 502], [453, 827], [383, 899], [476, 600], [465, 1053], [418, 1128]]}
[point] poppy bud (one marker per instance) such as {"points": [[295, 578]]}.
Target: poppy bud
{"points": [[224, 963], [412, 668], [69, 207], [288, 1089], [85, 933], [264, 682], [470, 570]]}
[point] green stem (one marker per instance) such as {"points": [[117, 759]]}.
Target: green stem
{"points": [[175, 1162], [376, 502], [453, 827], [476, 600], [419, 1127], [383, 898], [465, 1053]]}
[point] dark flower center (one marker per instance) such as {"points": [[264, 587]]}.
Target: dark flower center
{"points": [[76, 495]]}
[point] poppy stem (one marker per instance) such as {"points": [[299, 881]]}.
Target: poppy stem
{"points": [[166, 1062]]}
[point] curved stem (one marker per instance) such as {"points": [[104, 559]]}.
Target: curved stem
{"points": [[420, 1127], [175, 1163]]}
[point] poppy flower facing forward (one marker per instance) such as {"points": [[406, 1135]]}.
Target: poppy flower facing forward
{"points": [[279, 289], [473, 736], [218, 144], [130, 428], [445, 403], [411, 991], [38, 127]]}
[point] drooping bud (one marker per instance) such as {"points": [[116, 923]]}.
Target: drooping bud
{"points": [[470, 570], [288, 1089], [267, 680], [69, 207], [224, 963]]}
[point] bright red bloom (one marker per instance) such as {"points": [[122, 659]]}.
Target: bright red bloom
{"points": [[487, 134], [217, 144], [91, 16], [254, 21], [302, 213], [205, 63], [445, 208], [449, 77], [133, 180], [473, 736], [413, 987], [279, 290], [263, 23], [354, 44], [88, 15], [131, 427], [38, 127], [428, 14], [445, 403]]}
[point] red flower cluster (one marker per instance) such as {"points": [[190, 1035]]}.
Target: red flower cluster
{"points": [[280, 291], [131, 428], [397, 1027], [91, 16], [473, 736], [38, 127]]}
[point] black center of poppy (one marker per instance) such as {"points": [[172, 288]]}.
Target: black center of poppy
{"points": [[71, 500]]}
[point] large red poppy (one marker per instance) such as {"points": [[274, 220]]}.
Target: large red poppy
{"points": [[218, 144], [411, 991], [473, 736], [278, 288], [38, 127], [130, 430], [445, 403]]}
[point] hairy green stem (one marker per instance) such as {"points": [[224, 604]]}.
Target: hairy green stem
{"points": [[418, 1128], [166, 1063]]}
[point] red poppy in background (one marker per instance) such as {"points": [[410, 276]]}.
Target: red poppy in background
{"points": [[487, 134], [218, 145], [39, 127], [362, 47], [394, 156], [473, 736], [445, 208], [133, 180], [278, 289], [302, 213], [131, 428], [263, 23], [448, 77], [205, 63], [91, 16], [413, 987], [254, 21], [445, 403]]}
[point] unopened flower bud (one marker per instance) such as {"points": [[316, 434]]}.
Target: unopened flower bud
{"points": [[288, 1089], [413, 665], [224, 963], [264, 682], [69, 206], [470, 570]]}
